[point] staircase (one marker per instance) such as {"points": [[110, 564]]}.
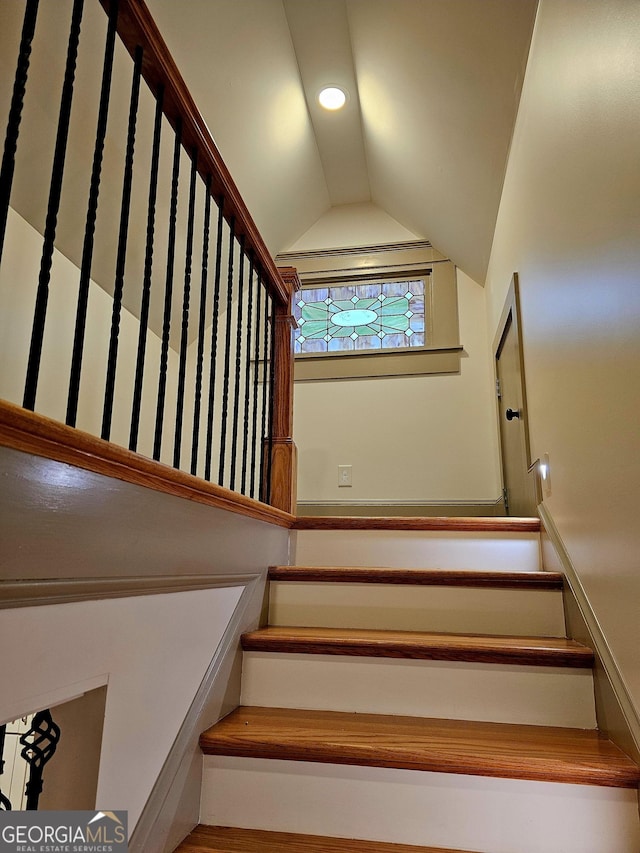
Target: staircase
{"points": [[415, 709]]}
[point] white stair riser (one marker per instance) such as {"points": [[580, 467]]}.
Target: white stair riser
{"points": [[533, 695], [534, 613], [417, 549], [412, 807]]}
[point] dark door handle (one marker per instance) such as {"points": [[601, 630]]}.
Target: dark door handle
{"points": [[512, 413]]}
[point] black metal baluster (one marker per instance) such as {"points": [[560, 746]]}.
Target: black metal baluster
{"points": [[90, 224], [146, 280], [45, 735], [5, 802], [15, 114], [186, 300], [227, 353], [214, 344], [256, 377], [53, 206], [247, 381], [168, 293], [121, 259], [272, 372], [236, 395], [197, 402], [263, 432]]}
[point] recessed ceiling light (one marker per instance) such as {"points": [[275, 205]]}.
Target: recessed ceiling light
{"points": [[332, 98]]}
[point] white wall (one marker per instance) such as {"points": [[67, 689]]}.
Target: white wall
{"points": [[423, 438], [152, 651], [569, 223], [363, 224]]}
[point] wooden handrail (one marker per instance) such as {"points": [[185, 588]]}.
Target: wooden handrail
{"points": [[31, 433], [136, 27]]}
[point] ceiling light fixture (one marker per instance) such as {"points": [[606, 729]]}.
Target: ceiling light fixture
{"points": [[332, 98]]}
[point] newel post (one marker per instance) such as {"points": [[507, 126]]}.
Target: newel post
{"points": [[284, 454]]}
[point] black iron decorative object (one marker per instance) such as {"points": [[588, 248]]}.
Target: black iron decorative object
{"points": [[40, 743], [5, 803]]}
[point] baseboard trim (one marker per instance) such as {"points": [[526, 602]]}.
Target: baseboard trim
{"points": [[386, 508], [617, 715], [156, 830]]}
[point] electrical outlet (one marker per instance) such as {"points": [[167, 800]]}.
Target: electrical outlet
{"points": [[344, 475]]}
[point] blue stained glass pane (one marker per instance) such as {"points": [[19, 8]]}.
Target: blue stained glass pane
{"points": [[395, 288], [394, 341], [341, 344], [368, 342]]}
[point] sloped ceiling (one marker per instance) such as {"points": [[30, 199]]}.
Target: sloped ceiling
{"points": [[439, 84], [433, 93]]}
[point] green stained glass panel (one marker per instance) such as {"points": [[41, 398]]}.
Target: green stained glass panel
{"points": [[372, 316]]}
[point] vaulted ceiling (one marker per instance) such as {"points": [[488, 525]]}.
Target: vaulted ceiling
{"points": [[433, 90]]}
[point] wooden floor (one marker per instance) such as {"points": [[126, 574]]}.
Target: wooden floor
{"points": [[532, 651], [417, 577], [211, 839], [452, 746]]}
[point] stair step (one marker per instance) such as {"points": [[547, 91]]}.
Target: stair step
{"points": [[535, 651], [417, 577], [457, 602], [217, 839], [390, 542], [459, 690], [438, 523], [449, 746]]}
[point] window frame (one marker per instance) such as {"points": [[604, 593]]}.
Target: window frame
{"points": [[441, 352], [418, 275]]}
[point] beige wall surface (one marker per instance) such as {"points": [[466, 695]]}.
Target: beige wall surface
{"points": [[569, 224], [363, 224], [18, 285], [423, 438]]}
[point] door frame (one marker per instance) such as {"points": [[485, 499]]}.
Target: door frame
{"points": [[512, 312]]}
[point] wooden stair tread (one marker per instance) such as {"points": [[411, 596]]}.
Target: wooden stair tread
{"points": [[418, 577], [438, 523], [450, 746], [534, 651], [222, 839]]}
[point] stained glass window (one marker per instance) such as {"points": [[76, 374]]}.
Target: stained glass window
{"points": [[351, 317]]}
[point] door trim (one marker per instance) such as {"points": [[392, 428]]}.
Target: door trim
{"points": [[512, 312]]}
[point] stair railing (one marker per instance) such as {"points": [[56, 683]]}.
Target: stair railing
{"points": [[217, 395]]}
